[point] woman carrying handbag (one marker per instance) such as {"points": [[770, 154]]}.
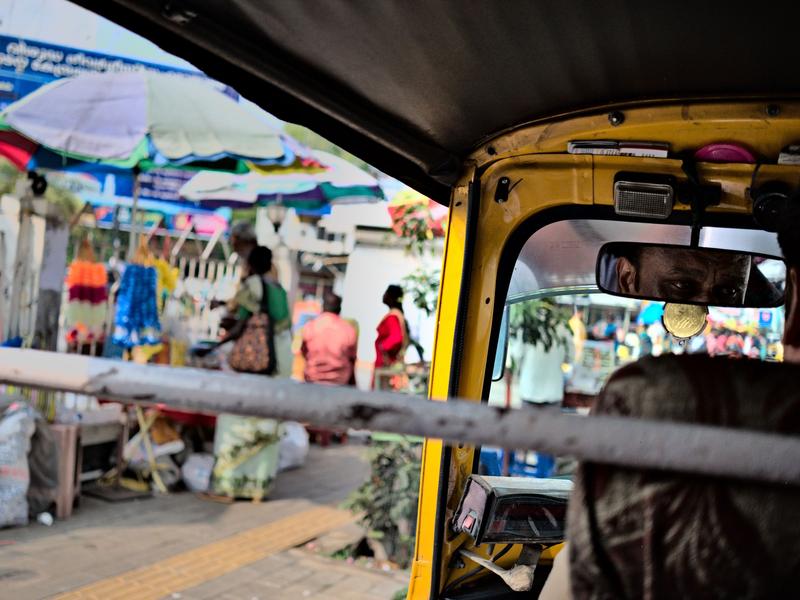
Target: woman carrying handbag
{"points": [[246, 448]]}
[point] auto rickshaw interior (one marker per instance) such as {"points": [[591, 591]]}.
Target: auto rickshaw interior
{"points": [[549, 129], [665, 253]]}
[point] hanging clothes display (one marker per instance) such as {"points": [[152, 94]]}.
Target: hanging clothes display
{"points": [[167, 278], [136, 322], [87, 285], [166, 281]]}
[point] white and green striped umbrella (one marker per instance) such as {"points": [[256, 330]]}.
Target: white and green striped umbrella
{"points": [[146, 119]]}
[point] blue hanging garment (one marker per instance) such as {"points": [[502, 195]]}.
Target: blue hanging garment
{"points": [[136, 322]]}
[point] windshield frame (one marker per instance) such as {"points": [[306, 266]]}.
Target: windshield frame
{"points": [[515, 242]]}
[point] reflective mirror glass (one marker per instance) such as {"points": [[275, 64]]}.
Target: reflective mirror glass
{"points": [[686, 275]]}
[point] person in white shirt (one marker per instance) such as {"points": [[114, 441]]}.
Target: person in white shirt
{"points": [[541, 377]]}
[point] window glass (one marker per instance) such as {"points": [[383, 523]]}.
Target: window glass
{"points": [[566, 339]]}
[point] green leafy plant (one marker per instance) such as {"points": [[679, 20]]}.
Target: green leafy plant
{"points": [[422, 286], [401, 594], [540, 321], [388, 500]]}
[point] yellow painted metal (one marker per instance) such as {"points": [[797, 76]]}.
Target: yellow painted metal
{"points": [[544, 176], [432, 452], [686, 126]]}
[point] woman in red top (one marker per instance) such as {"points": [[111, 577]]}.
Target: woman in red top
{"points": [[390, 345]]}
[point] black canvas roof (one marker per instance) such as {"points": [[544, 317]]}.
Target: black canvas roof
{"points": [[412, 86]]}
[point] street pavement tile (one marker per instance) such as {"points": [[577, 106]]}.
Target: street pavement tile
{"points": [[181, 547]]}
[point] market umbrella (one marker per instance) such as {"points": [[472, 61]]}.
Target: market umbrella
{"points": [[414, 214], [337, 182], [146, 119], [141, 121]]}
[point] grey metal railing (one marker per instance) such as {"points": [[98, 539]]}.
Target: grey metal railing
{"points": [[698, 449]]}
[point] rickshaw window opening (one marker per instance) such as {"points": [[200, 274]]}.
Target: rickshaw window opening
{"points": [[515, 242]]}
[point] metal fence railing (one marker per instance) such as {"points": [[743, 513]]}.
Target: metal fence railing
{"points": [[686, 448]]}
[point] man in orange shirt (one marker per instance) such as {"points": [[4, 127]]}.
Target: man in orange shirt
{"points": [[329, 346]]}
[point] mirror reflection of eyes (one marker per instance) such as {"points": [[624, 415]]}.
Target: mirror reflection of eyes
{"points": [[690, 275], [730, 291], [685, 288]]}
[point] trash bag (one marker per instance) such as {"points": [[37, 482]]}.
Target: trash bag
{"points": [[16, 428], [169, 472], [196, 471], [43, 466], [293, 447]]}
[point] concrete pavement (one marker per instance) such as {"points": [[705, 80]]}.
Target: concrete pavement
{"points": [[180, 546]]}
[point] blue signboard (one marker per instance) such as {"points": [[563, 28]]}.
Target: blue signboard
{"points": [[26, 65]]}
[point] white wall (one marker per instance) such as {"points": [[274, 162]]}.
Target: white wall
{"points": [[345, 217], [369, 271]]}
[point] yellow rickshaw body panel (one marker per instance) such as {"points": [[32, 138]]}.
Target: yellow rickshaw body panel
{"points": [[545, 176]]}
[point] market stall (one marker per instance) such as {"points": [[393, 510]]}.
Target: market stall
{"points": [[124, 156]]}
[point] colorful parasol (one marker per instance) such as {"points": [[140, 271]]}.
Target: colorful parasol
{"points": [[338, 182], [147, 120], [140, 121], [415, 215]]}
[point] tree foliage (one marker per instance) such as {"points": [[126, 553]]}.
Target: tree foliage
{"points": [[317, 142], [539, 321], [422, 286]]}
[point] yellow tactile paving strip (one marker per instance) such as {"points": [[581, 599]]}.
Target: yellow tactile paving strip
{"points": [[191, 568]]}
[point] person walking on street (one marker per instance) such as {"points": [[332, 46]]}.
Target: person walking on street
{"points": [[329, 346], [246, 448], [250, 301], [243, 241], [392, 339]]}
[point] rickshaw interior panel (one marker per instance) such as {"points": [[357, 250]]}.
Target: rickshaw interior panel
{"points": [[555, 261]]}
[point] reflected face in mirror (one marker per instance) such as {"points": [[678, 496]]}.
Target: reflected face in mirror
{"points": [[718, 278], [685, 275]]}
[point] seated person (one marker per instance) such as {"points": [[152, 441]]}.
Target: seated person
{"points": [[649, 534]]}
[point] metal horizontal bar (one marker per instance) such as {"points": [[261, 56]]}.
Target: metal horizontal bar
{"points": [[686, 448]]}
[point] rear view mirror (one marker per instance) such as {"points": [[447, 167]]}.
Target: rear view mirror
{"points": [[685, 275]]}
